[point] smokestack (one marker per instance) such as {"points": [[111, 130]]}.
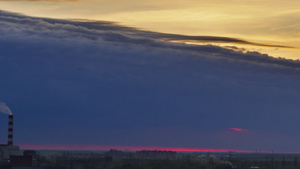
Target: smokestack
{"points": [[10, 129]]}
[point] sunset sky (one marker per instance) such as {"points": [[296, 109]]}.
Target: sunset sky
{"points": [[188, 75], [264, 21]]}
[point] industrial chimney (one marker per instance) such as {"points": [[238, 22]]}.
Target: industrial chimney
{"points": [[10, 129]]}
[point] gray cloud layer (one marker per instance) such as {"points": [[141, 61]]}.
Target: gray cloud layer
{"points": [[109, 31]]}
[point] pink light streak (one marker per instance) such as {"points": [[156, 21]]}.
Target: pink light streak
{"points": [[238, 129], [123, 148]]}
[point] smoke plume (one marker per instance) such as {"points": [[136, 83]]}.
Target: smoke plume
{"points": [[5, 109]]}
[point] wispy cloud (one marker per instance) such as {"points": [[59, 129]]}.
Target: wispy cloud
{"points": [[238, 129], [186, 38], [214, 39]]}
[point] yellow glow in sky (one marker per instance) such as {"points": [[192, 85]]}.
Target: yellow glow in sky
{"points": [[262, 21]]}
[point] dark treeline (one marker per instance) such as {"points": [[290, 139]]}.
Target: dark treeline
{"points": [[153, 164], [268, 163]]}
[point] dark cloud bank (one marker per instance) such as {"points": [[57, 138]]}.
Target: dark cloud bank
{"points": [[84, 82]]}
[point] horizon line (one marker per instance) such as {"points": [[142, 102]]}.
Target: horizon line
{"points": [[82, 147]]}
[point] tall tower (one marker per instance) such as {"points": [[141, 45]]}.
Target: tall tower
{"points": [[10, 129]]}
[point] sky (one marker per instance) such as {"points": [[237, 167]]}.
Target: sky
{"points": [[268, 21], [141, 74]]}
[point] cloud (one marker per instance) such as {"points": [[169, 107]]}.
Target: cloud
{"points": [[117, 85], [214, 39], [122, 148], [112, 32], [238, 129]]}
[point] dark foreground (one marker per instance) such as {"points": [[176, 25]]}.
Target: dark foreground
{"points": [[115, 159]]}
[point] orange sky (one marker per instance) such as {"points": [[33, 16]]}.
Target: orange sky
{"points": [[268, 21]]}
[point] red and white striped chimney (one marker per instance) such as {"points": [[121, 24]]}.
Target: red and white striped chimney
{"points": [[10, 129]]}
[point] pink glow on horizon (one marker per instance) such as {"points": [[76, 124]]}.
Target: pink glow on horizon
{"points": [[124, 148], [238, 129]]}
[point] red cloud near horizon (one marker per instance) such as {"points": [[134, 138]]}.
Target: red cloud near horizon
{"points": [[238, 129], [130, 148], [122, 148]]}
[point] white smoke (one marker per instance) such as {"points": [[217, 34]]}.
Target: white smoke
{"points": [[5, 109]]}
